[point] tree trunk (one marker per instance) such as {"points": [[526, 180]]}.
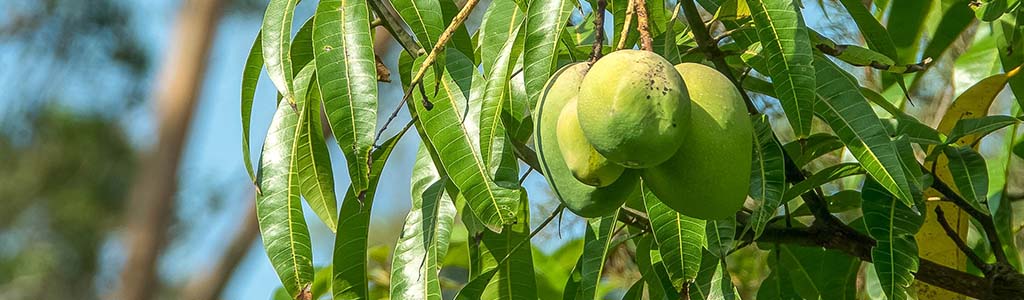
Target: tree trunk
{"points": [[209, 283], [152, 194]]}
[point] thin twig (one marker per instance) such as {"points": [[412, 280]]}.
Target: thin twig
{"points": [[431, 57], [596, 51], [987, 223], [393, 23], [625, 27], [960, 244], [643, 25], [711, 51]]}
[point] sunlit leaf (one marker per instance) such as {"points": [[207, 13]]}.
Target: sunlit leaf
{"points": [[278, 206], [787, 50], [713, 282], [545, 20], [515, 277], [250, 78], [969, 174], [421, 247], [316, 179], [680, 239], [276, 37], [347, 75], [845, 110], [453, 143], [650, 264]]}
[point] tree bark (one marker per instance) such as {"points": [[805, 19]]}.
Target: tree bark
{"points": [[152, 194]]}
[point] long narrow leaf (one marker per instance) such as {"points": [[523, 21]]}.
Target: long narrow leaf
{"points": [[451, 136], [545, 20], [353, 222], [250, 78], [316, 179], [347, 75], [680, 239], [821, 177], [788, 52], [893, 226], [276, 34], [969, 174], [767, 176], [846, 110], [420, 249], [278, 206]]}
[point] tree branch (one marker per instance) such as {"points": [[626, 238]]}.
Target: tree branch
{"points": [[643, 25], [711, 51], [625, 27], [960, 244], [393, 23], [596, 52], [987, 223]]}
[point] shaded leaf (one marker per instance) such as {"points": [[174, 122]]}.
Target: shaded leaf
{"points": [[250, 78], [767, 176], [821, 177], [316, 179], [969, 174], [680, 239], [893, 226]]}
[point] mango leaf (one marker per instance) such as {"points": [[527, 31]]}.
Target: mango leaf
{"points": [[515, 278], [301, 49], [500, 25], [720, 236], [989, 10], [812, 147], [787, 50], [276, 38], [278, 205], [422, 246], [713, 282], [954, 21], [453, 143], [316, 179], [495, 148], [841, 201], [876, 36], [597, 239], [893, 226], [777, 285], [767, 176], [460, 39], [1009, 40], [969, 174], [347, 75], [821, 177], [635, 291], [426, 19], [979, 127], [250, 78], [649, 263], [350, 254], [844, 108], [817, 273], [680, 239], [545, 20], [906, 30]]}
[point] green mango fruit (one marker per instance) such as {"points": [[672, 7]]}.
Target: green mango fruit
{"points": [[583, 200], [633, 108], [708, 178], [586, 164]]}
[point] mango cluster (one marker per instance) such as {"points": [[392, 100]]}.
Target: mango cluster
{"points": [[630, 117]]}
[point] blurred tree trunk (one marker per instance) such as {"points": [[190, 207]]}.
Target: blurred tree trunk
{"points": [[152, 195], [209, 283]]}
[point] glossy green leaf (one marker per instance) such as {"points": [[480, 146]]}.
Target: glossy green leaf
{"points": [[821, 177], [649, 263], [597, 239], [767, 176], [316, 179], [545, 20], [515, 278], [453, 141], [977, 128], [713, 282], [877, 38], [460, 40], [421, 248], [787, 50], [276, 38], [500, 26], [720, 236], [969, 174], [907, 29], [844, 108], [426, 19], [954, 21], [250, 78], [680, 239], [989, 10], [350, 252], [278, 205], [347, 75], [496, 150], [892, 225], [301, 49], [1009, 33]]}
